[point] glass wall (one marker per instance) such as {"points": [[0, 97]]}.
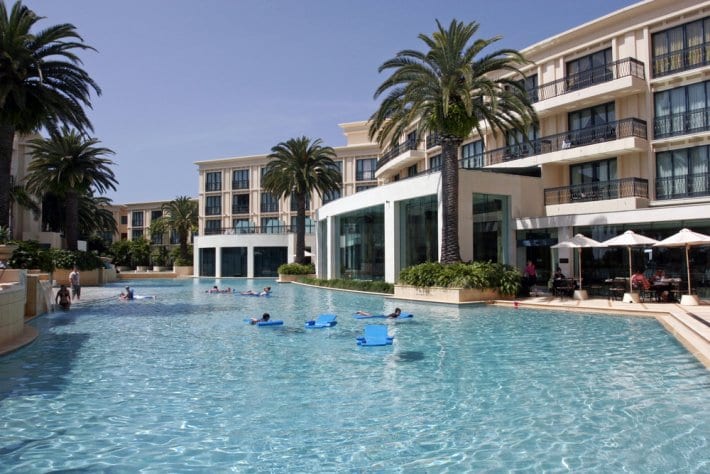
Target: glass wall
{"points": [[234, 261], [490, 227], [361, 247], [268, 259], [207, 262], [419, 231]]}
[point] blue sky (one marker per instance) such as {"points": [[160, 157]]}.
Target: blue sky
{"points": [[186, 81]]}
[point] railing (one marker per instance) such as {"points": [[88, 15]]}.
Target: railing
{"points": [[240, 184], [685, 186], [269, 207], [598, 75], [397, 150], [691, 121], [211, 186], [681, 60], [631, 127], [599, 191], [433, 140], [269, 229], [240, 208], [213, 210]]}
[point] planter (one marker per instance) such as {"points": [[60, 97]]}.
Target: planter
{"points": [[183, 271], [6, 251], [283, 278], [123, 268], [142, 268], [160, 268], [445, 295]]}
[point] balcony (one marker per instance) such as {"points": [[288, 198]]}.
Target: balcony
{"points": [[211, 186], [269, 207], [399, 156], [683, 123], [269, 229], [599, 191], [240, 184], [681, 60], [683, 187], [240, 208], [620, 136], [574, 91]]}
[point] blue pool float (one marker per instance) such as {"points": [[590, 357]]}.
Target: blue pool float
{"points": [[383, 316], [271, 322], [375, 335], [322, 321]]}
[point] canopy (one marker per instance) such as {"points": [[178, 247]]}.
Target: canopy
{"points": [[685, 238], [578, 242], [629, 239]]}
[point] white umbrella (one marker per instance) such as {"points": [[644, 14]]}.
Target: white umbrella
{"points": [[685, 238], [578, 242], [629, 239]]}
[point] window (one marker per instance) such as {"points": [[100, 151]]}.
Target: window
{"points": [[154, 215], [412, 171], [589, 70], [682, 47], [213, 181], [592, 172], [364, 187], [242, 226], [240, 179], [269, 203], [174, 237], [530, 85], [331, 196], [294, 206], [310, 225], [365, 169], [272, 225], [124, 220], [472, 155], [592, 124], [519, 145], [213, 226], [213, 205], [136, 234], [240, 204], [682, 110], [683, 173], [435, 162], [137, 219], [156, 239]]}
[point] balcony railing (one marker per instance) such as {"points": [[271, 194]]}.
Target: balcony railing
{"points": [[240, 184], [598, 75], [630, 127], [269, 229], [433, 140], [213, 186], [691, 121], [397, 150], [681, 60], [240, 208], [684, 186], [599, 191], [213, 210], [269, 207]]}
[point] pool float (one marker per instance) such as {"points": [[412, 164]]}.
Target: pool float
{"points": [[375, 335], [383, 316], [322, 321], [271, 322]]}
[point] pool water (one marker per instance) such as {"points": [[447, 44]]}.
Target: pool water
{"points": [[182, 383]]}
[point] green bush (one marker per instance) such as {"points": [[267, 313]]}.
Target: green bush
{"points": [[359, 285], [120, 252], [179, 261], [31, 255], [481, 275], [297, 269]]}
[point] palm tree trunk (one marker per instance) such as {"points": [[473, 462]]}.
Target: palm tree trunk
{"points": [[183, 246], [450, 252], [7, 137], [300, 227], [71, 225]]}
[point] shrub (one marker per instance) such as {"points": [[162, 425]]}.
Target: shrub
{"points": [[481, 275], [296, 269], [30, 254], [120, 252], [179, 261], [359, 285]]}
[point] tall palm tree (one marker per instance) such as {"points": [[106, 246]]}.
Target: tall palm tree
{"points": [[451, 90], [69, 166], [180, 215], [42, 84], [296, 168]]}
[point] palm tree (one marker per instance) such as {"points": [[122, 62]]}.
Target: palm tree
{"points": [[296, 168], [180, 215], [94, 215], [450, 91], [69, 166], [42, 84]]}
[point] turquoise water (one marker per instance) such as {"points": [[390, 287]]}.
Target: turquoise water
{"points": [[183, 384]]}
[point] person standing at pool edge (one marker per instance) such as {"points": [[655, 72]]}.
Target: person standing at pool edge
{"points": [[75, 282]]}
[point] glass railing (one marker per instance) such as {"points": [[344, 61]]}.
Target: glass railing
{"points": [[599, 191]]}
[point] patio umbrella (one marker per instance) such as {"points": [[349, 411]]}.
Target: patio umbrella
{"points": [[685, 238], [578, 242], [629, 239]]}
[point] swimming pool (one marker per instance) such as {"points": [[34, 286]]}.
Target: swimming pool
{"points": [[183, 384]]}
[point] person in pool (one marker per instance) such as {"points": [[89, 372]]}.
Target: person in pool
{"points": [[393, 315], [63, 298], [264, 318], [264, 292], [128, 295]]}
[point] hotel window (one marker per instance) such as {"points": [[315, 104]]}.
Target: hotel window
{"points": [[364, 187], [155, 215], [294, 205], [333, 195], [682, 47], [530, 85], [682, 110], [136, 234], [213, 181], [472, 155], [589, 70], [174, 237], [269, 203], [137, 219], [592, 124], [213, 205], [435, 162], [683, 173], [272, 225], [591, 181], [240, 179], [310, 225], [242, 226], [124, 220], [412, 171], [213, 226], [240, 204], [365, 169], [519, 145], [156, 238]]}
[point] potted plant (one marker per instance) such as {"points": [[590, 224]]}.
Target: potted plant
{"points": [[159, 257], [289, 272]]}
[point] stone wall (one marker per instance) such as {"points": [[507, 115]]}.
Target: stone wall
{"points": [[12, 304]]}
